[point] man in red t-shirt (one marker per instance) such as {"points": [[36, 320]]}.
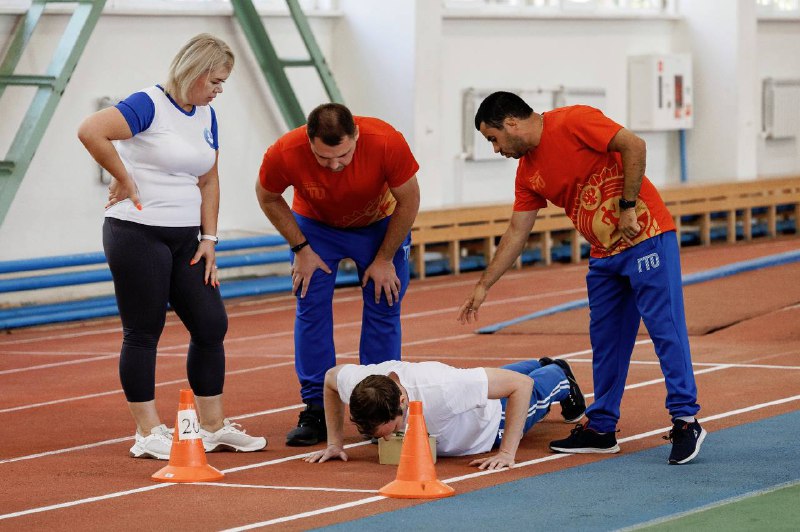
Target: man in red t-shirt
{"points": [[355, 196], [580, 160]]}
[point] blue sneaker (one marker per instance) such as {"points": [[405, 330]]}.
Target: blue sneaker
{"points": [[686, 439]]}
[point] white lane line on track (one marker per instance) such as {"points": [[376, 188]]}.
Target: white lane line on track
{"points": [[119, 391], [128, 438], [724, 502], [283, 488], [379, 498], [58, 364]]}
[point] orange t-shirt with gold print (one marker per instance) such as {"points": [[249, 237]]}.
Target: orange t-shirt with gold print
{"points": [[357, 196], [572, 168]]}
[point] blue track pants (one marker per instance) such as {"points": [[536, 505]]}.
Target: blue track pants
{"points": [[550, 385], [315, 352], [643, 282]]}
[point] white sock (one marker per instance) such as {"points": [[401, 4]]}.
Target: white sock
{"points": [[687, 419]]}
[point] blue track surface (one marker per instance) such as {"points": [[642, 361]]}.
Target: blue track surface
{"points": [[623, 491]]}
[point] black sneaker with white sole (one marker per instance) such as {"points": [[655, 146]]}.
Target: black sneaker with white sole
{"points": [[583, 440], [686, 439], [310, 429], [573, 407]]}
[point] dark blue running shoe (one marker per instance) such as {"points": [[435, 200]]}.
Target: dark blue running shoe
{"points": [[686, 439], [573, 407]]}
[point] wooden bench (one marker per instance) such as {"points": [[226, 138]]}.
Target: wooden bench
{"points": [[476, 229], [738, 203]]}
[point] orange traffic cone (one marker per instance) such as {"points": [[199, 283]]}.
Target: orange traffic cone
{"points": [[187, 457], [416, 476]]}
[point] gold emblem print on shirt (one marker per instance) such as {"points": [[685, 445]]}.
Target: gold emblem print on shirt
{"points": [[597, 212], [375, 210], [537, 182]]}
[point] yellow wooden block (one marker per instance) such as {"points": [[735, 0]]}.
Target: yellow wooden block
{"points": [[389, 450]]}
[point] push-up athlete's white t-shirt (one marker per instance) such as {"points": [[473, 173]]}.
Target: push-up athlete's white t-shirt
{"points": [[455, 402], [169, 150]]}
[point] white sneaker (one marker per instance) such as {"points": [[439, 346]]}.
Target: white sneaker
{"points": [[231, 437], [157, 445]]}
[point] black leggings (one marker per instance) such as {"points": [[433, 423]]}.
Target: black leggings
{"points": [[150, 268]]}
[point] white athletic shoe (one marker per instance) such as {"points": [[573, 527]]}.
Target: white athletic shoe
{"points": [[157, 445], [231, 438]]}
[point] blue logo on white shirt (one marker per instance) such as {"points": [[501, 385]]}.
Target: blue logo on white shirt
{"points": [[209, 137]]}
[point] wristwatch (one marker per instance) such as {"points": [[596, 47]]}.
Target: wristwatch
{"points": [[213, 238], [625, 204]]}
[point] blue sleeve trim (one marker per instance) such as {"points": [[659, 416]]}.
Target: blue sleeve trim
{"points": [[138, 110], [214, 132]]}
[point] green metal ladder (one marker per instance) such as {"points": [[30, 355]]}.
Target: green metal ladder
{"points": [[274, 68], [49, 87]]}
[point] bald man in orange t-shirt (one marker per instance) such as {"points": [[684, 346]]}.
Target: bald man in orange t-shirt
{"points": [[355, 196]]}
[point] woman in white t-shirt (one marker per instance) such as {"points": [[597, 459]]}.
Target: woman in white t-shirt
{"points": [[161, 147]]}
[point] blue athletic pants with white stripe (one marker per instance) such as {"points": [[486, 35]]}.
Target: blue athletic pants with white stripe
{"points": [[643, 282], [550, 385], [313, 327]]}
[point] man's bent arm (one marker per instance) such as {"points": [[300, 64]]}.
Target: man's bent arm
{"points": [[633, 151], [334, 408], [510, 247], [508, 250], [405, 212], [278, 212], [517, 388]]}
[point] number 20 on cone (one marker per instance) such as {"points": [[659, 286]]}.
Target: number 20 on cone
{"points": [[188, 425]]}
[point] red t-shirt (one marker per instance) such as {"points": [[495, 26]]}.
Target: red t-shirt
{"points": [[357, 196], [572, 168]]}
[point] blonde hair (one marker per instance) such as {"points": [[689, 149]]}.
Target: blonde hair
{"points": [[202, 54]]}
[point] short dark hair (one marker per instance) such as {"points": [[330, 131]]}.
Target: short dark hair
{"points": [[331, 122], [498, 106], [374, 401]]}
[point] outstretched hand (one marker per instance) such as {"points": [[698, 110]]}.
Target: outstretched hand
{"points": [[331, 452], [468, 312]]}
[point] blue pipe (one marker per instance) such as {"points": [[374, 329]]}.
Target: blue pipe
{"points": [[84, 259], [106, 306], [682, 142]]}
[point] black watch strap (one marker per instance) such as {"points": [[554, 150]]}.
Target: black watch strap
{"points": [[299, 246], [625, 204]]}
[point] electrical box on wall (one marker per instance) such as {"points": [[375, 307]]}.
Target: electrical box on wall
{"points": [[660, 92]]}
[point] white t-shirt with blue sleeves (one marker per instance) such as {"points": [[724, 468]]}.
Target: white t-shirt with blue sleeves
{"points": [[169, 150]]}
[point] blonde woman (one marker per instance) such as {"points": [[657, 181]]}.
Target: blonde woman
{"points": [[159, 236]]}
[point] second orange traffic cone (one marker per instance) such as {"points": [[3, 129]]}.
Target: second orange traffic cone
{"points": [[187, 457], [416, 476]]}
